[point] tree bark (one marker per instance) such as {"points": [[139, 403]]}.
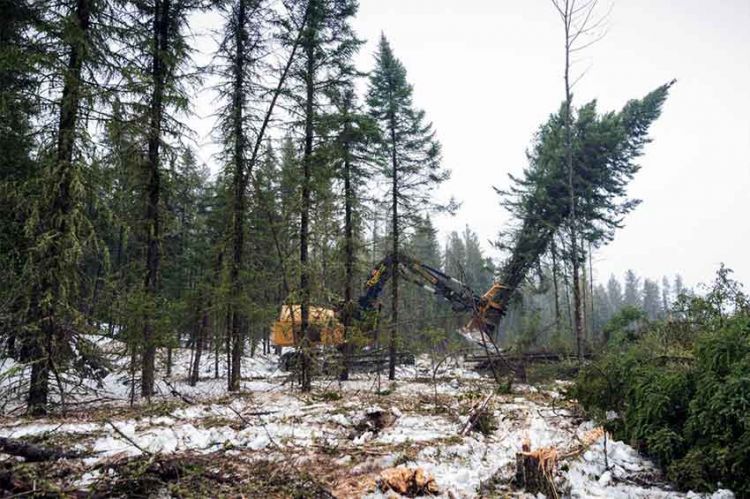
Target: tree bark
{"points": [[161, 23], [240, 186], [42, 348], [306, 361], [348, 243], [394, 278]]}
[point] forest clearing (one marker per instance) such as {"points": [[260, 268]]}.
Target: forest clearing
{"points": [[374, 249], [334, 441]]}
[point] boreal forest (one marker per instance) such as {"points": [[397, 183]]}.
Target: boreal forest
{"points": [[374, 248]]}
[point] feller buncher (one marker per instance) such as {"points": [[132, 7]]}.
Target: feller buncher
{"points": [[325, 325]]}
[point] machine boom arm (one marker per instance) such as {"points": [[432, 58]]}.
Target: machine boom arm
{"points": [[486, 313]]}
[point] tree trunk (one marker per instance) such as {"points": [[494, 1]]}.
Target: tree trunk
{"points": [[578, 309], [394, 278], [32, 452], [151, 285], [306, 361], [240, 185], [199, 341], [62, 205], [591, 294], [349, 247], [556, 286]]}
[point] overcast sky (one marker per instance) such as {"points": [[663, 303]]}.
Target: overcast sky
{"points": [[488, 72]]}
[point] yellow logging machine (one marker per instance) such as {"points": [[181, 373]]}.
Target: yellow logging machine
{"points": [[325, 325]]}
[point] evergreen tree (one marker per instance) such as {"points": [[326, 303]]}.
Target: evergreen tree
{"points": [[327, 45], [57, 224], [455, 256], [614, 294], [409, 155], [632, 296], [479, 270], [158, 60], [602, 150], [651, 299], [679, 286], [241, 60], [18, 108], [666, 303], [426, 311], [354, 132]]}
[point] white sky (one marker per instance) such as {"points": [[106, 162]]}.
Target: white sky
{"points": [[488, 72]]}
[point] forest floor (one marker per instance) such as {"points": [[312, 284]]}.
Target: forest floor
{"points": [[271, 440]]}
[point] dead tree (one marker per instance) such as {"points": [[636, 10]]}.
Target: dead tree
{"points": [[583, 27]]}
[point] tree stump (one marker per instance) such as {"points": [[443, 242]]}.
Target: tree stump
{"points": [[534, 470]]}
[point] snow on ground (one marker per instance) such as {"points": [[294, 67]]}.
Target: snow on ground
{"points": [[270, 419]]}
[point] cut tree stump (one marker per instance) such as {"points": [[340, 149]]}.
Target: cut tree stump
{"points": [[535, 470]]}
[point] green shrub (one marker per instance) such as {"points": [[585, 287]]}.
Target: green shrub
{"points": [[681, 389]]}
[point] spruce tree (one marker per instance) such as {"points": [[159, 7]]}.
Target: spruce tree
{"points": [[651, 299], [409, 156], [158, 65], [327, 45], [241, 56], [18, 107], [604, 149], [57, 223], [632, 296], [353, 132]]}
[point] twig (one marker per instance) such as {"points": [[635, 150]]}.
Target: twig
{"points": [[474, 415], [176, 393], [130, 440]]}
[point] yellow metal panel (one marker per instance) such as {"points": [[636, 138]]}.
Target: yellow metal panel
{"points": [[325, 327]]}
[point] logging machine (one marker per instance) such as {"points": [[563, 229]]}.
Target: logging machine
{"points": [[326, 325]]}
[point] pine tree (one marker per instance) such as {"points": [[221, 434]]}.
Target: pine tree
{"points": [[410, 157]]}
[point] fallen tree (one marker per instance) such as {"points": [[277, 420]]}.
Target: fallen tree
{"points": [[34, 453], [605, 147]]}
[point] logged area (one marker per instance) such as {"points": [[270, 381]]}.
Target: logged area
{"points": [[342, 439], [374, 249]]}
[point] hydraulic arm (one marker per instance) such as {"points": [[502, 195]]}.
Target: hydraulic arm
{"points": [[485, 312], [325, 326]]}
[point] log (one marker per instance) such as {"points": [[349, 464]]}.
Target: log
{"points": [[32, 452]]}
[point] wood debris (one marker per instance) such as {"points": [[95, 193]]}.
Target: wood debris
{"points": [[410, 482], [475, 415]]}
